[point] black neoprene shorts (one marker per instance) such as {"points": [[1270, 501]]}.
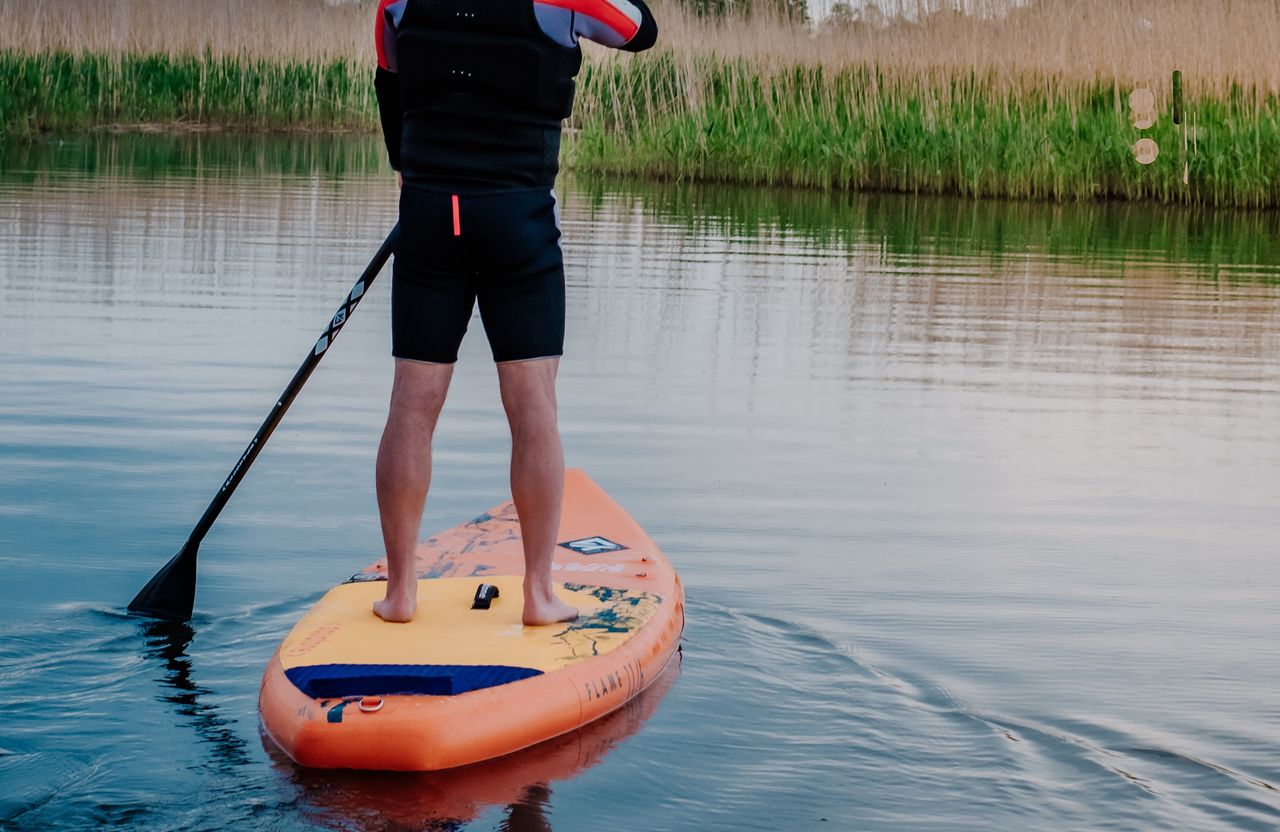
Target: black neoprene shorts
{"points": [[500, 248]]}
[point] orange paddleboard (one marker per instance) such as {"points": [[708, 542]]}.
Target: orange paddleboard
{"points": [[459, 685], [523, 782]]}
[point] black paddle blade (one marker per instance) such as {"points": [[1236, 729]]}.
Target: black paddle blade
{"points": [[171, 592]]}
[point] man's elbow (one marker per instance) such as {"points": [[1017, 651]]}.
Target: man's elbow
{"points": [[645, 37]]}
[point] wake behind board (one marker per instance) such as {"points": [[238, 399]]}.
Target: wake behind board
{"points": [[459, 685]]}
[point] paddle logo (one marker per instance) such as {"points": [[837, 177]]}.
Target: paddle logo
{"points": [[593, 545]]}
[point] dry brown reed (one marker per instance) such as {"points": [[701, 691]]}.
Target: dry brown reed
{"points": [[1214, 42], [274, 29]]}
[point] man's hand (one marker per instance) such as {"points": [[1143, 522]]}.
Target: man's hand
{"points": [[399, 179]]}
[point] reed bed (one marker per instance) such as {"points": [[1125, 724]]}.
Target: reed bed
{"points": [[975, 97], [1218, 44], [283, 64], [281, 30], [938, 131], [67, 91]]}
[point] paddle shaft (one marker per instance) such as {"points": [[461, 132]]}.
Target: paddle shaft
{"points": [[167, 594], [295, 386]]}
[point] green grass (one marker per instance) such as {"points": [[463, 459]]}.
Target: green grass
{"points": [[706, 118], [952, 132], [62, 91]]}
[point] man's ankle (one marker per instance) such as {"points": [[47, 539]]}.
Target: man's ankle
{"points": [[539, 590], [402, 589]]}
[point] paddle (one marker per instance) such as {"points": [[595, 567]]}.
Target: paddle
{"points": [[171, 593]]}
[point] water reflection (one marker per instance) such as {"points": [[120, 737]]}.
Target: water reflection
{"points": [[975, 501], [521, 784], [167, 643], [1232, 245], [1113, 300], [200, 156]]}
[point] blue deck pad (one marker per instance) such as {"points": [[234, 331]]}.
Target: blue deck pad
{"points": [[334, 680]]}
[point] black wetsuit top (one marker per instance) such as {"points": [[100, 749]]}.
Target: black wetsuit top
{"points": [[472, 92]]}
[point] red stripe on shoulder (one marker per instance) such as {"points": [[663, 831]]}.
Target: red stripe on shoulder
{"points": [[603, 11], [380, 33]]}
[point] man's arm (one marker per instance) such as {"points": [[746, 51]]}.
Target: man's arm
{"points": [[620, 24], [386, 83]]}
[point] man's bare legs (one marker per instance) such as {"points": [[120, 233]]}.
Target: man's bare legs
{"points": [[404, 475], [537, 479]]}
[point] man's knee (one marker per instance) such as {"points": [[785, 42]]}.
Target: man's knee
{"points": [[419, 392], [532, 416], [420, 388], [529, 397], [533, 428]]}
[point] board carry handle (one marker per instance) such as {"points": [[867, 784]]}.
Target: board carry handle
{"points": [[485, 593]]}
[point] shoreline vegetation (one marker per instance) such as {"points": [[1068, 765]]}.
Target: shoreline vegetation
{"points": [[1009, 100]]}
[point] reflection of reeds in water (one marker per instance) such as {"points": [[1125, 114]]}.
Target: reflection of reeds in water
{"points": [[1015, 101], [1109, 301], [818, 285], [178, 155], [1227, 246], [1232, 245]]}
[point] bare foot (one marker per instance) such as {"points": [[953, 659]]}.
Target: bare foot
{"points": [[395, 608], [546, 608]]}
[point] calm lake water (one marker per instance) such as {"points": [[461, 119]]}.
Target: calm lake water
{"points": [[976, 504]]}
